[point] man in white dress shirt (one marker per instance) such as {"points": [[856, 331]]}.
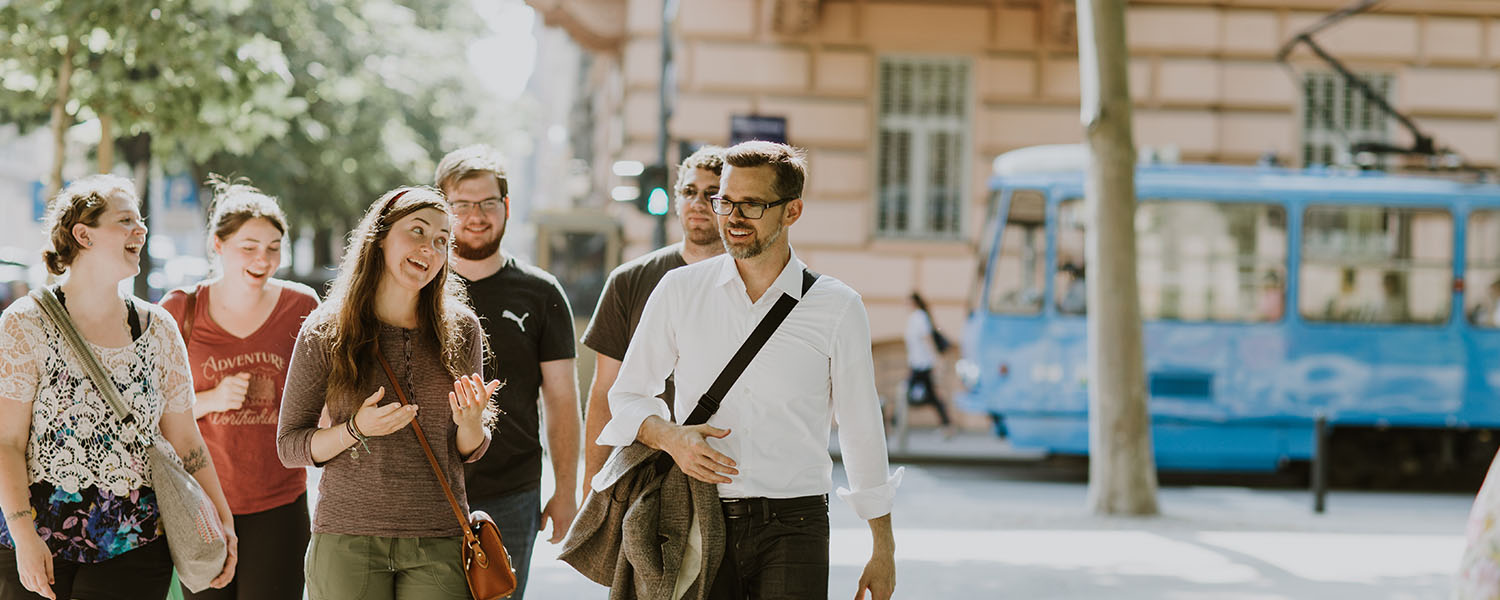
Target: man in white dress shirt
{"points": [[767, 446]]}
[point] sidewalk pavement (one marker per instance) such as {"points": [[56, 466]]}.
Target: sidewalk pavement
{"points": [[973, 531], [974, 520]]}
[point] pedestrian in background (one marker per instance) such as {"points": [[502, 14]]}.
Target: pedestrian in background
{"points": [[526, 317], [630, 284], [383, 528], [239, 328], [81, 519], [923, 351], [766, 446]]}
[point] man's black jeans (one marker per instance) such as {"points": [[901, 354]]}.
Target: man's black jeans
{"points": [[774, 549]]}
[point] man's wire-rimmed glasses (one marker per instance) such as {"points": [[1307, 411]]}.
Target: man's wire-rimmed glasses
{"points": [[464, 207]]}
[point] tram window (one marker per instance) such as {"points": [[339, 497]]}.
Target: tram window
{"points": [[1068, 288], [1373, 264], [1211, 261], [1018, 274], [1482, 269]]}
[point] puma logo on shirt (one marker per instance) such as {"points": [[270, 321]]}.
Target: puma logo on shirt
{"points": [[520, 321]]}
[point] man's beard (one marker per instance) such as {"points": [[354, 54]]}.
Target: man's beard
{"points": [[756, 245], [481, 251], [702, 236]]}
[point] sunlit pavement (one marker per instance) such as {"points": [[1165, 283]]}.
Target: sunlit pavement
{"points": [[979, 532]]}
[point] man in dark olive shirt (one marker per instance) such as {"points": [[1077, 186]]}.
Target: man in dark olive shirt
{"points": [[630, 284], [530, 327]]}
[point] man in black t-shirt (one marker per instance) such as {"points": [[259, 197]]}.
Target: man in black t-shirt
{"points": [[630, 284], [528, 322]]}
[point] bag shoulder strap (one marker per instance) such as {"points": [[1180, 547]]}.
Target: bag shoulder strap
{"points": [[708, 404], [55, 312], [463, 521], [189, 314]]}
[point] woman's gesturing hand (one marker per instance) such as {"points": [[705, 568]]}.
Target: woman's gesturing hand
{"points": [[375, 421], [469, 398]]}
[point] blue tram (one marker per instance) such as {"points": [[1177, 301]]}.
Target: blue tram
{"points": [[1269, 296]]}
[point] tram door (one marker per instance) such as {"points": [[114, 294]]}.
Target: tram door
{"points": [[580, 249]]}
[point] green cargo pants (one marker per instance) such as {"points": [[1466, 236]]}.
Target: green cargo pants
{"points": [[363, 567]]}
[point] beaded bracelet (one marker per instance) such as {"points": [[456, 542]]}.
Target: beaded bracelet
{"points": [[358, 436]]}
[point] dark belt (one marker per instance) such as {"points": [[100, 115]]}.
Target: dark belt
{"points": [[764, 507]]}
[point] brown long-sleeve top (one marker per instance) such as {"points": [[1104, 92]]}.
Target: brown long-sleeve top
{"points": [[391, 491]]}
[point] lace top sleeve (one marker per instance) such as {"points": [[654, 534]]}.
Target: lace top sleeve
{"points": [[19, 375], [176, 373]]}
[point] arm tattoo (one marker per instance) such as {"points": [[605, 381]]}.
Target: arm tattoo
{"points": [[195, 460], [29, 513]]}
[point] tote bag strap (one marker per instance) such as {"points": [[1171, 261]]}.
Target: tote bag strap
{"points": [[59, 316]]}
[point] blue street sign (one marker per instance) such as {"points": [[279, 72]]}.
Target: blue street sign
{"points": [[38, 200], [743, 128]]}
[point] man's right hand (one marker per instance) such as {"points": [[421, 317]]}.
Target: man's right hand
{"points": [[690, 450], [34, 564]]}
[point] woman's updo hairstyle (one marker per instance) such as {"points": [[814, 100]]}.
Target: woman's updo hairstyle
{"points": [[83, 201], [235, 203]]}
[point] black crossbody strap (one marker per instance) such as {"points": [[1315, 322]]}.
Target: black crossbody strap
{"points": [[708, 404]]}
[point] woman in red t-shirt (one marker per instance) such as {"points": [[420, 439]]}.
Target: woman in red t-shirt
{"points": [[240, 327]]}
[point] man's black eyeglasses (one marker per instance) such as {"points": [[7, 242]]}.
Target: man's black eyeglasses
{"points": [[748, 210]]}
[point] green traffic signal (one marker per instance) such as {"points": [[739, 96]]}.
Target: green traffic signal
{"points": [[657, 203], [653, 198]]}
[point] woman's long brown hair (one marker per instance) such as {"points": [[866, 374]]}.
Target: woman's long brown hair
{"points": [[346, 320]]}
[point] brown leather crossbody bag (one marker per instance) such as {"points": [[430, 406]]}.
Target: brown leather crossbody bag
{"points": [[485, 562]]}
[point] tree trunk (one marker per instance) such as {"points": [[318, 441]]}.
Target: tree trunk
{"points": [[106, 151], [1122, 468], [138, 156], [61, 120], [323, 252]]}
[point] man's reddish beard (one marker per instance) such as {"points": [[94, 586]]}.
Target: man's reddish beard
{"points": [[702, 236], [482, 251]]}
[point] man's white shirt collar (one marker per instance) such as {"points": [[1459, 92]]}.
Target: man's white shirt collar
{"points": [[788, 281]]}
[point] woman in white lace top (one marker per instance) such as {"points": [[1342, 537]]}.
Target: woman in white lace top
{"points": [[81, 519]]}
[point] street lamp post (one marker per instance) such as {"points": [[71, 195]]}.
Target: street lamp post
{"points": [[665, 89]]}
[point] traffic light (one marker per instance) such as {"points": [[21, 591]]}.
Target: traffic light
{"points": [[654, 198], [650, 193]]}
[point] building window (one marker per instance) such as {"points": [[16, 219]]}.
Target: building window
{"points": [[923, 147], [1335, 114], [1374, 264]]}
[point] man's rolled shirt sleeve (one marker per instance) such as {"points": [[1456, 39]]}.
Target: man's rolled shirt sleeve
{"points": [[857, 409], [651, 357]]}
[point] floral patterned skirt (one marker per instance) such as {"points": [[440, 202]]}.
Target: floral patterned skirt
{"points": [[92, 525]]}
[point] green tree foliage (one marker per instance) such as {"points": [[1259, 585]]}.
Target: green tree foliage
{"points": [[188, 73], [388, 87], [323, 103]]}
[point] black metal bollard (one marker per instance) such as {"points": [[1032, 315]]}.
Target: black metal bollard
{"points": [[1320, 462]]}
